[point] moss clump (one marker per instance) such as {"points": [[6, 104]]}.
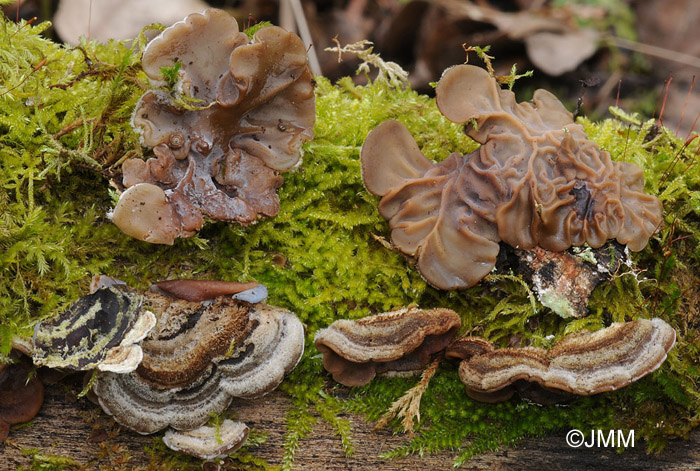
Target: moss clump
{"points": [[64, 128]]}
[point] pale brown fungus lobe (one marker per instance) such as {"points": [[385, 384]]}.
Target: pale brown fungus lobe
{"points": [[201, 290], [583, 363], [21, 394], [354, 352], [536, 180], [245, 109]]}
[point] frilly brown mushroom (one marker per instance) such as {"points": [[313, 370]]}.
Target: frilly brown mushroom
{"points": [[21, 395], [581, 363], [208, 442], [200, 356], [100, 330], [251, 107], [354, 352], [536, 180]]}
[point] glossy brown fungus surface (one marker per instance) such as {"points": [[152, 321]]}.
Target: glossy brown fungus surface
{"points": [[241, 111], [21, 394], [536, 180], [354, 352]]}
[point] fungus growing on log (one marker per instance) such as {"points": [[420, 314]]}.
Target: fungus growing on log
{"points": [[581, 363], [207, 442], [402, 341], [198, 358], [100, 330], [21, 395], [243, 109], [536, 180]]}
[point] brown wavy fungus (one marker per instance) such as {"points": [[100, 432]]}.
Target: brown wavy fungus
{"points": [[536, 180], [242, 110]]}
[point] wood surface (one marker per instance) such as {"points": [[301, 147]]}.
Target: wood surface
{"points": [[78, 429]]}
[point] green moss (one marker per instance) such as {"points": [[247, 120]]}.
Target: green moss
{"points": [[64, 127]]}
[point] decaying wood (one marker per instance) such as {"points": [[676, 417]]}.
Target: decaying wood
{"points": [[76, 428]]}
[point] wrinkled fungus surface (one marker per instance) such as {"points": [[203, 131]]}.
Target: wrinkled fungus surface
{"points": [[198, 358], [581, 363], [354, 352], [244, 109], [536, 180]]}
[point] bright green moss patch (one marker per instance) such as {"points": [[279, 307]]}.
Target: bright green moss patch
{"points": [[64, 128]]}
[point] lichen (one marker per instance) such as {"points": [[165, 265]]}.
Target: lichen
{"points": [[64, 128]]}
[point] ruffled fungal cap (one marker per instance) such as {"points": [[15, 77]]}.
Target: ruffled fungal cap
{"points": [[100, 330], [581, 363], [251, 108], [536, 180], [200, 356], [21, 395], [399, 341], [208, 442]]}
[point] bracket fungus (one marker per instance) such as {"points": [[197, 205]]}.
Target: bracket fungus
{"points": [[100, 330], [354, 352], [242, 110], [536, 180], [198, 358], [207, 442], [201, 290], [580, 363]]}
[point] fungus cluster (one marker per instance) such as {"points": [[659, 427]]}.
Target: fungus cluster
{"points": [[536, 180], [580, 363], [208, 342], [401, 341], [198, 358], [241, 110]]}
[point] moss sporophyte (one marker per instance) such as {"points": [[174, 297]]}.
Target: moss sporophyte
{"points": [[65, 130]]}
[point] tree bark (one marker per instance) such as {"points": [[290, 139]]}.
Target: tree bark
{"points": [[78, 429]]}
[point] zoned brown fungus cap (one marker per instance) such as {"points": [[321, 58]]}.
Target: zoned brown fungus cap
{"points": [[199, 356], [536, 180], [246, 108], [581, 363], [394, 342]]}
